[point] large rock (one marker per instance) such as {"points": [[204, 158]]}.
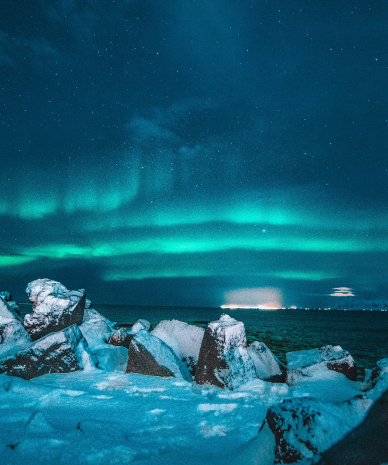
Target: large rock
{"points": [[148, 355], [304, 427], [7, 297], [55, 307], [59, 352], [367, 444], [184, 339], [377, 375], [96, 328], [122, 337], [12, 332], [308, 362], [223, 359], [267, 366]]}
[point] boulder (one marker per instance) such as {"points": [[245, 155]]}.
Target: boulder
{"points": [[148, 355], [122, 337], [96, 328], [60, 352], [377, 374], [184, 339], [12, 332], [54, 308], [267, 366], [223, 359], [367, 444], [7, 297], [304, 427], [308, 362]]}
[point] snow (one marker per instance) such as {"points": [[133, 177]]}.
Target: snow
{"points": [[266, 364], [184, 339], [230, 331], [106, 416]]}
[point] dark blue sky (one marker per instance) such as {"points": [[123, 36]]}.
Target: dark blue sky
{"points": [[174, 152]]}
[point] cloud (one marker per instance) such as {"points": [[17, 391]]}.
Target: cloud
{"points": [[266, 298], [342, 292]]}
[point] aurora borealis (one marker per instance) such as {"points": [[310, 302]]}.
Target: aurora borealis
{"points": [[173, 153]]}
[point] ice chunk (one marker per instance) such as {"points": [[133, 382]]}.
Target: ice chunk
{"points": [[12, 333], [96, 328]]}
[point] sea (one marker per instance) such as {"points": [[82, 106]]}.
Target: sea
{"points": [[364, 334]]}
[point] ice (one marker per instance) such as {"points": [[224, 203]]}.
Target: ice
{"points": [[266, 364]]}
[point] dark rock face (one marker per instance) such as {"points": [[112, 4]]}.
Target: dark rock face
{"points": [[367, 444], [59, 352], [142, 362], [379, 372], [308, 362], [55, 308], [120, 338], [148, 355], [223, 359], [287, 451], [210, 361]]}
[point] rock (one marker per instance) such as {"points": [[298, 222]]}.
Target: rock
{"points": [[55, 308], [148, 355], [267, 366], [7, 297], [378, 374], [308, 362], [184, 339], [140, 324], [60, 352], [367, 444], [96, 328], [121, 338], [12, 332], [223, 359], [304, 427]]}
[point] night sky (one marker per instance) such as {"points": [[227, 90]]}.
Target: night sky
{"points": [[201, 153]]}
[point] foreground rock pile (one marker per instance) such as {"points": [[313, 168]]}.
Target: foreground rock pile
{"points": [[64, 334]]}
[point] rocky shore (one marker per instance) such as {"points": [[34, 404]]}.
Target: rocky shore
{"points": [[325, 415]]}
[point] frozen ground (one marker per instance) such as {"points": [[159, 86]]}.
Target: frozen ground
{"points": [[110, 417]]}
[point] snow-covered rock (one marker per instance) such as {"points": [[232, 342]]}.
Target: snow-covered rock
{"points": [[96, 328], [12, 332], [122, 337], [60, 352], [223, 359], [140, 324], [54, 307], [148, 355], [367, 443], [7, 297], [184, 339], [304, 427], [377, 374], [309, 362], [267, 366]]}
